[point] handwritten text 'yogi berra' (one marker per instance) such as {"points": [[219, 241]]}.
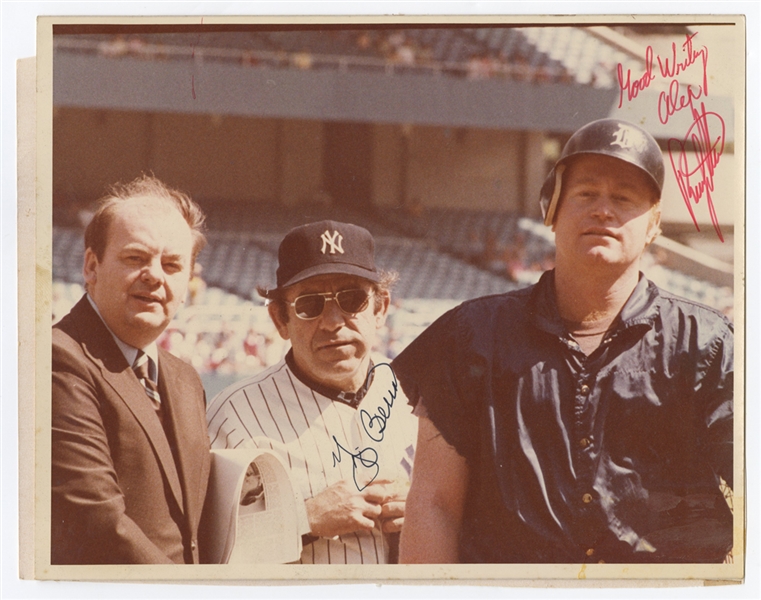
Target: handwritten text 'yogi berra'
{"points": [[365, 467]]}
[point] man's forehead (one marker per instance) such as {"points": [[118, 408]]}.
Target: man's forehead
{"points": [[147, 211], [145, 219]]}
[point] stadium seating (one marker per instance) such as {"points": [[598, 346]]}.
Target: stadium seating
{"points": [[438, 255], [225, 331], [569, 54]]}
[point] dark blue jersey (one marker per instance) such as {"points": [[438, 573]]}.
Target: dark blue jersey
{"points": [[612, 457]]}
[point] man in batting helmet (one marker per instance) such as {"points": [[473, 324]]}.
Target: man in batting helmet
{"points": [[587, 418]]}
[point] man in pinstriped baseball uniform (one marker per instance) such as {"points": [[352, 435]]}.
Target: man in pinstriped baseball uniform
{"points": [[333, 413]]}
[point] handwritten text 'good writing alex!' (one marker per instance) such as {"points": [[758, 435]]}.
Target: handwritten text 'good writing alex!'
{"points": [[694, 171]]}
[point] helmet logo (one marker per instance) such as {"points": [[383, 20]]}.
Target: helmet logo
{"points": [[334, 241], [628, 138]]}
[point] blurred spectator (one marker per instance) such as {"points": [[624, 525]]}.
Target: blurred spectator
{"points": [[197, 285], [364, 41], [248, 59], [114, 48], [405, 55], [302, 60], [479, 67]]}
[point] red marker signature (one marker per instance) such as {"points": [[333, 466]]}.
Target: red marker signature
{"points": [[706, 136], [676, 99], [633, 88], [676, 67], [668, 67]]}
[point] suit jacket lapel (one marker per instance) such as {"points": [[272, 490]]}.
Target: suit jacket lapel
{"points": [[103, 351], [178, 397]]}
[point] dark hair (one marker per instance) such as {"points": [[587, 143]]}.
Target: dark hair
{"points": [[96, 233], [382, 288]]}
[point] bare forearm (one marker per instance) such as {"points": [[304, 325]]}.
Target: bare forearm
{"points": [[435, 502], [429, 535]]}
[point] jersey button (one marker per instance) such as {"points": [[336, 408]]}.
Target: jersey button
{"points": [[584, 442], [590, 552], [585, 389], [587, 498]]}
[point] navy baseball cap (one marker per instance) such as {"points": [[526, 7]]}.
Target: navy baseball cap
{"points": [[326, 248]]}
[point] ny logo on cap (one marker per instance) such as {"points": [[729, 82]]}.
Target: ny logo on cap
{"points": [[628, 138], [334, 241]]}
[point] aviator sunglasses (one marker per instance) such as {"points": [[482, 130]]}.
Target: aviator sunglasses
{"points": [[310, 306]]}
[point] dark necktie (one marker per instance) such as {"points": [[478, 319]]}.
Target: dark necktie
{"points": [[143, 366]]}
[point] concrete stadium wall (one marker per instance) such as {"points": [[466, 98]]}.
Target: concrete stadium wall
{"points": [[248, 159]]}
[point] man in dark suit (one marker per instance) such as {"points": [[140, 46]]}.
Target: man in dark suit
{"points": [[130, 452]]}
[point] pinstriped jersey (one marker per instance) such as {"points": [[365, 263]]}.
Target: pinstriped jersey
{"points": [[322, 441]]}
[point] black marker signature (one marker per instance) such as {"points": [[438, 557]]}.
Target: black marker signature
{"points": [[375, 424], [366, 458]]}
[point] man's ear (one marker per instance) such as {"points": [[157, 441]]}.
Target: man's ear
{"points": [[654, 228], [382, 312], [90, 268], [279, 318]]}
